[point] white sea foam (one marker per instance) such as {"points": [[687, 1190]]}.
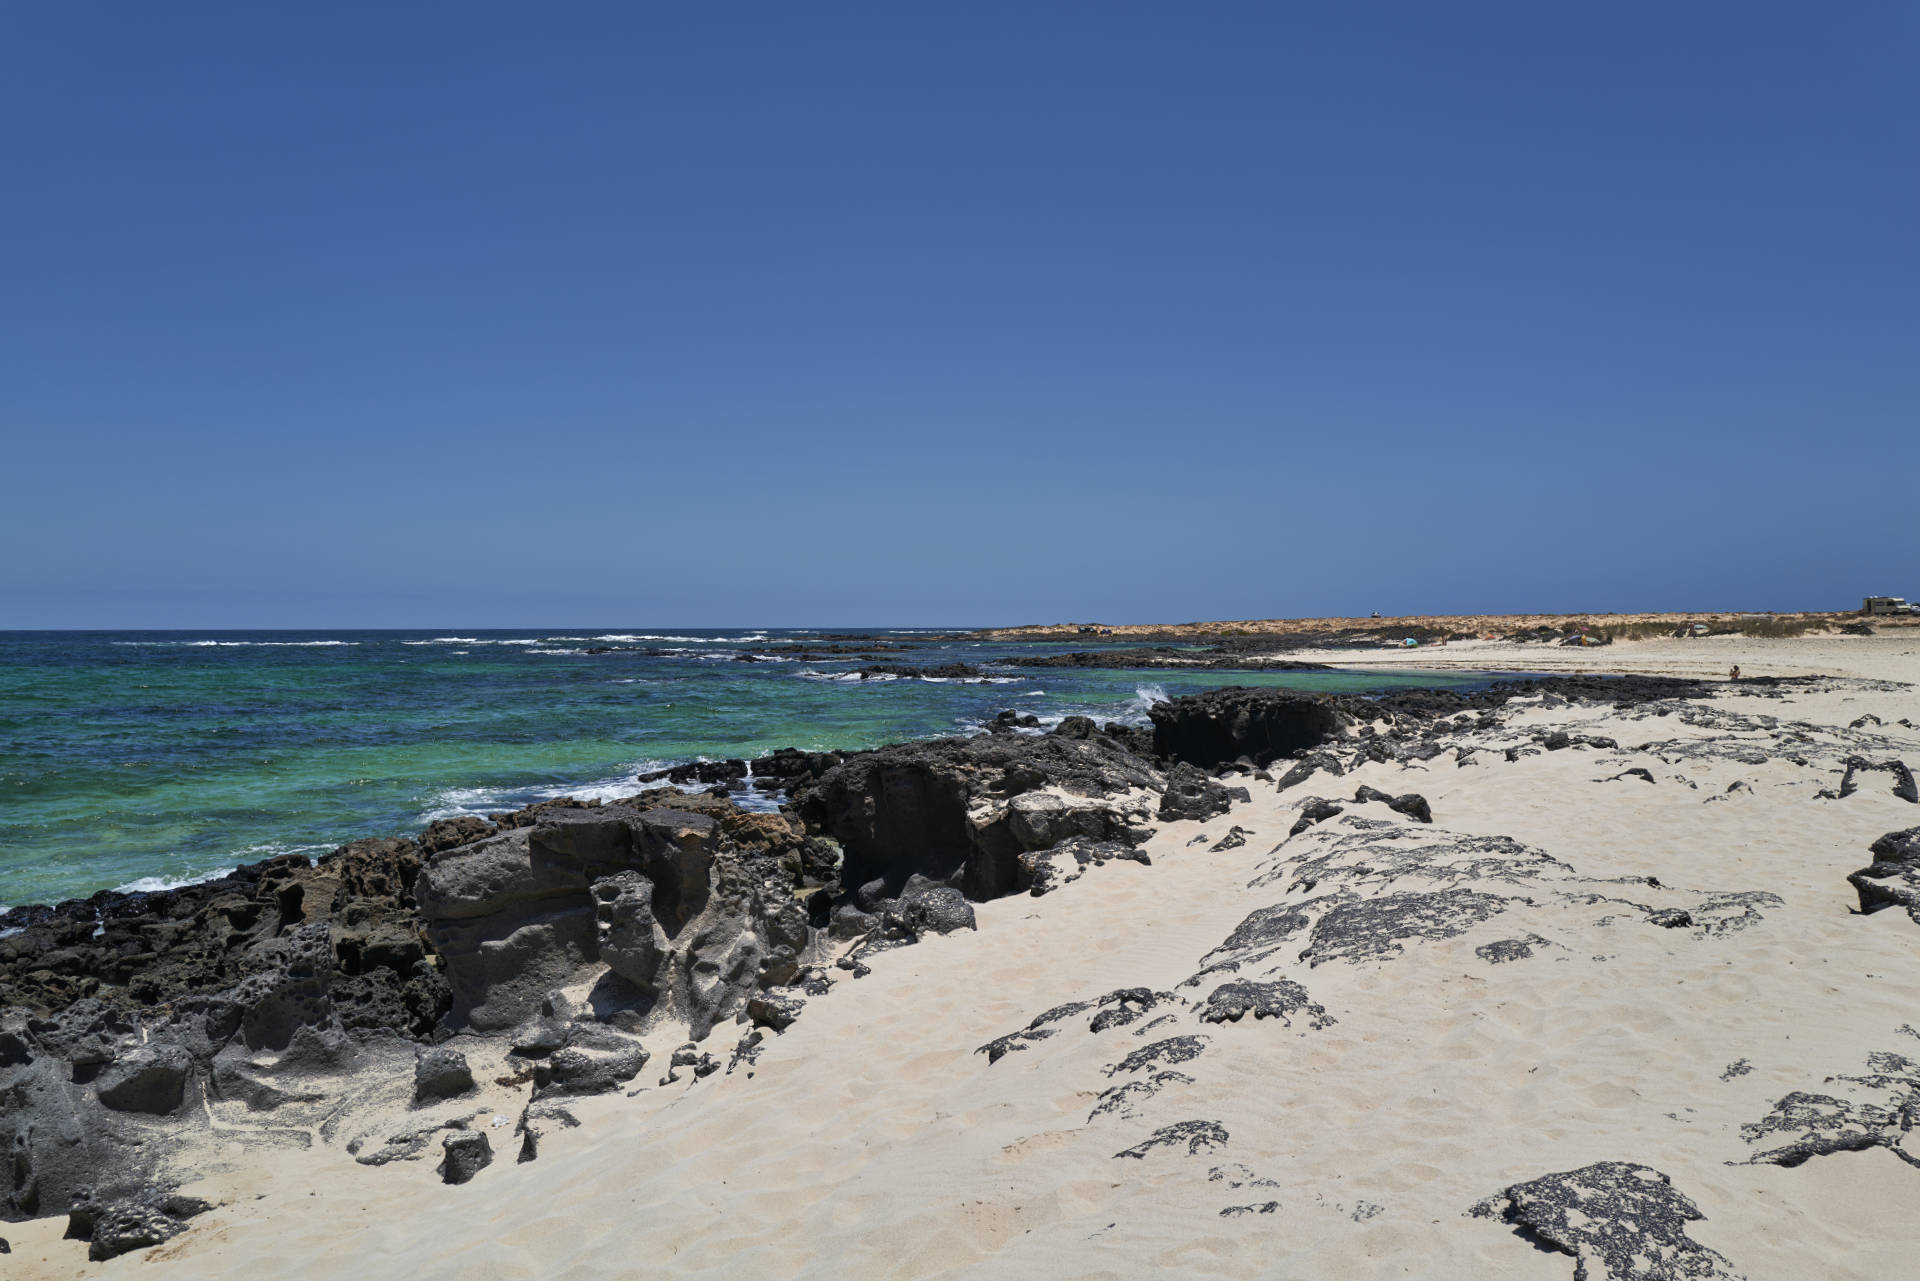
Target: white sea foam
{"points": [[247, 854], [630, 637], [556, 651], [701, 655], [454, 802], [881, 678], [230, 644], [971, 680], [154, 884], [1147, 695]]}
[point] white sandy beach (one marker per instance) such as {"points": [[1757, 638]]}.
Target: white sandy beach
{"points": [[872, 1140]]}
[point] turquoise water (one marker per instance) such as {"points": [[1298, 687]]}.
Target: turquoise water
{"points": [[145, 758]]}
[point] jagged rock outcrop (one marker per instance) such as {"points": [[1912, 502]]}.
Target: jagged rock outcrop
{"points": [[116, 1225], [285, 987], [1893, 878], [664, 897], [945, 809], [141, 951], [922, 907], [1221, 725]]}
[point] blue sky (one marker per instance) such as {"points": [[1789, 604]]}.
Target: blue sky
{"points": [[372, 315]]}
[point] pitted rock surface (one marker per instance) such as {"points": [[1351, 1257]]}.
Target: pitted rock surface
{"points": [[1190, 794], [113, 1226], [1619, 1222], [464, 1155]]}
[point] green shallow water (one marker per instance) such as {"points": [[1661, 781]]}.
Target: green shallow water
{"points": [[144, 758]]}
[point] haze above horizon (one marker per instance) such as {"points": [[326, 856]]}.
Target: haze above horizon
{"points": [[371, 316]]}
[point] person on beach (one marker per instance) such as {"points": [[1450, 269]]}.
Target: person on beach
{"points": [[1734, 675]]}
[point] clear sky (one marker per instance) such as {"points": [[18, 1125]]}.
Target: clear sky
{"points": [[472, 314]]}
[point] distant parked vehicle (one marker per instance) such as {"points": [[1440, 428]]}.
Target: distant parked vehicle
{"points": [[1886, 605]]}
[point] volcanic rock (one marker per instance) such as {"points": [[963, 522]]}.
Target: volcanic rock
{"points": [[466, 1154], [1618, 1220], [1223, 725], [941, 808]]}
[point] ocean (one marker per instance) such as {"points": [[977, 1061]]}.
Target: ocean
{"points": [[146, 759]]}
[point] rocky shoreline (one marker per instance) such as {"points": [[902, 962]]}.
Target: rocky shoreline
{"points": [[410, 998]]}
